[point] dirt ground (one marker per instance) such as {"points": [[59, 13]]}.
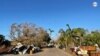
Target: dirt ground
{"points": [[46, 52]]}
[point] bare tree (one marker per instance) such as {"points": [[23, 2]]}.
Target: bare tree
{"points": [[28, 33]]}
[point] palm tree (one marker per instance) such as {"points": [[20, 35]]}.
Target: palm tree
{"points": [[62, 38], [51, 31], [65, 37], [71, 37]]}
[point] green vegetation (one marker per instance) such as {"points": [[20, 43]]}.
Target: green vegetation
{"points": [[77, 37], [31, 34]]}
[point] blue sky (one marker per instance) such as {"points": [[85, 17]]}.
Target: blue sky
{"points": [[54, 14]]}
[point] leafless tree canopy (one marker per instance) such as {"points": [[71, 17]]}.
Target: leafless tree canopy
{"points": [[28, 33]]}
